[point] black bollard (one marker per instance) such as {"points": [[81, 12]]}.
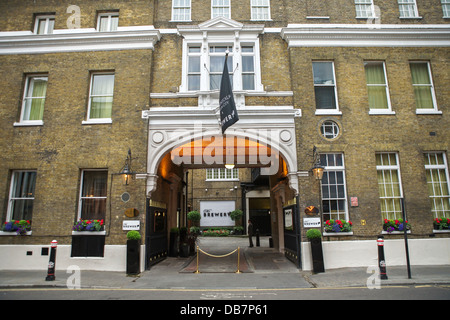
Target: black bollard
{"points": [[51, 262], [381, 261], [257, 238]]}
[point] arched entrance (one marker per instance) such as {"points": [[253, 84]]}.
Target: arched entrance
{"points": [[190, 138]]}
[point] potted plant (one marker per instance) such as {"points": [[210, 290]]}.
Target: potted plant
{"points": [[89, 225], [338, 226], [20, 227], [235, 215], [173, 242], [395, 225], [133, 252], [442, 223], [315, 238]]}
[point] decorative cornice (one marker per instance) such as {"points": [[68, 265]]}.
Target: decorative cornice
{"points": [[366, 35], [76, 40]]}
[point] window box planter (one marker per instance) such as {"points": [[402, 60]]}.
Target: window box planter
{"points": [[338, 228], [16, 227], [441, 225], [88, 238], [395, 226]]}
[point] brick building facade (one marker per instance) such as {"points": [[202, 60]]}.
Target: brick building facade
{"points": [[363, 83]]}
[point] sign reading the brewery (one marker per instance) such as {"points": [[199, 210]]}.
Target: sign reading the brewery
{"points": [[216, 213], [131, 225], [228, 112], [311, 222]]}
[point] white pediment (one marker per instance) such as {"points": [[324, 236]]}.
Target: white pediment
{"points": [[220, 24]]}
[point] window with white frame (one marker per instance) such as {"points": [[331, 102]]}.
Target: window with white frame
{"points": [[389, 185], [436, 170], [204, 68], [34, 99], [21, 195], [325, 87], [181, 10], [408, 9], [93, 195], [334, 194], [216, 64], [364, 9], [222, 174], [329, 129], [108, 21], [445, 8], [377, 87], [44, 24], [260, 9], [220, 8], [422, 83], [101, 97]]}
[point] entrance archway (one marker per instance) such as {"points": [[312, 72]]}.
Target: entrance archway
{"points": [[190, 138]]}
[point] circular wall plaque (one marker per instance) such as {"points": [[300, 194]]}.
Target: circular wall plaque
{"points": [[125, 197]]}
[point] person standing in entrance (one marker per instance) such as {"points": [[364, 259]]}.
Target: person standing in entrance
{"points": [[250, 232]]}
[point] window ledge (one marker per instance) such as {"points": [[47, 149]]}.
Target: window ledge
{"points": [[97, 121], [29, 123], [428, 111], [88, 233], [381, 112], [441, 231], [337, 234], [395, 232], [13, 233], [328, 112], [418, 17]]}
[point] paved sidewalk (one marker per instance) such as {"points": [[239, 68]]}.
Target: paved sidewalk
{"points": [[265, 268]]}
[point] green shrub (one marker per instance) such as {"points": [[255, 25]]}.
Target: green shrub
{"points": [[133, 235], [194, 215], [313, 234]]}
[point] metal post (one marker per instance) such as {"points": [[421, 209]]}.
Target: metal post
{"points": [[51, 262], [239, 255], [197, 262], [405, 231], [257, 238], [381, 261]]}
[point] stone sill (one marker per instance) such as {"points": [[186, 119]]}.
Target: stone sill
{"points": [[9, 233], [88, 233], [337, 234]]}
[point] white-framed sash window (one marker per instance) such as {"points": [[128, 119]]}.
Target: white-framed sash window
{"points": [[21, 195], [44, 24], [333, 187], [389, 185], [221, 8], [108, 21], [222, 174], [325, 87], [408, 9], [93, 194], [260, 9], [181, 10], [436, 169], [33, 102], [377, 88], [100, 98], [364, 9], [422, 82]]}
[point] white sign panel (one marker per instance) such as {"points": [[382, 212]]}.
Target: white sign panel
{"points": [[216, 213], [311, 222], [131, 225]]}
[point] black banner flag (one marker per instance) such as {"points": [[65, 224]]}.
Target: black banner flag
{"points": [[228, 112]]}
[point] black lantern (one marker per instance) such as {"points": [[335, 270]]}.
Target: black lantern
{"points": [[317, 169], [126, 171]]}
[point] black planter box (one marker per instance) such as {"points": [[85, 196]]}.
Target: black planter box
{"points": [[317, 255], [133, 257], [173, 244], [88, 245]]}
